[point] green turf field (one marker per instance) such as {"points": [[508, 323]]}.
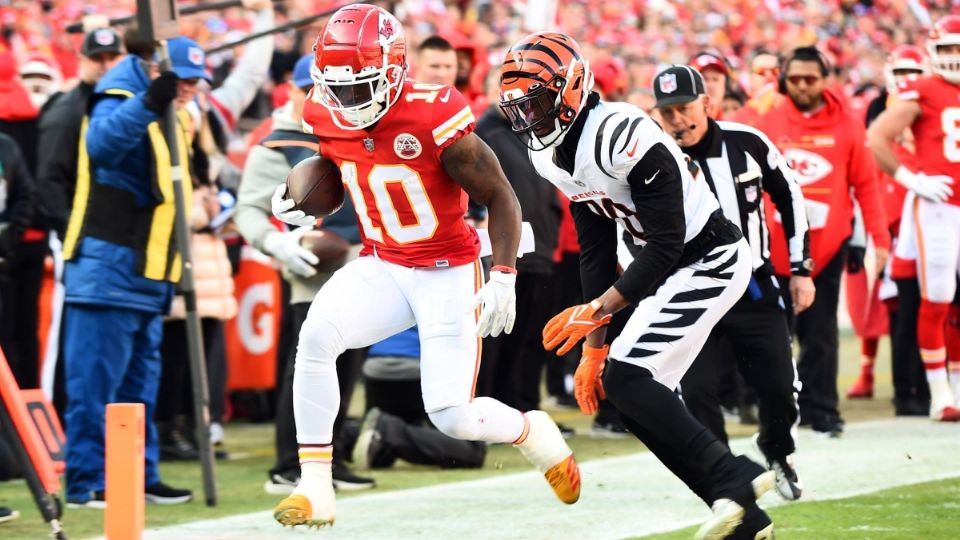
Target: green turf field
{"points": [[884, 515], [929, 510]]}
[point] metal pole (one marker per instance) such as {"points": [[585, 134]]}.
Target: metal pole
{"points": [[198, 364], [275, 30]]}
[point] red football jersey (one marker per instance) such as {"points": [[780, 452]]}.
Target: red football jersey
{"points": [[936, 131], [410, 210]]}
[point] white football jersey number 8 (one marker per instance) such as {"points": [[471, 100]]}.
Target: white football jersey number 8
{"points": [[950, 124], [378, 180]]}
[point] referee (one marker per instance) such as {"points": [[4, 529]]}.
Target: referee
{"points": [[739, 164]]}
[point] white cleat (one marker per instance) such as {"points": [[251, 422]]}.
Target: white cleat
{"points": [[310, 505], [545, 447], [728, 514]]}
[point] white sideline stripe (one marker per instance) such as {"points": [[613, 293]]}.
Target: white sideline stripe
{"points": [[625, 496]]}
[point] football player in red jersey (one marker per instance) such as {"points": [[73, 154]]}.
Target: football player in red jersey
{"points": [[869, 313], [930, 106], [409, 160]]}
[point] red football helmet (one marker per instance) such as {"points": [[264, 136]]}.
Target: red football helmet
{"points": [[945, 32], [904, 61], [544, 83], [360, 64]]}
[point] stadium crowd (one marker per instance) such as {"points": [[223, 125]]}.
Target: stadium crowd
{"points": [[240, 109]]}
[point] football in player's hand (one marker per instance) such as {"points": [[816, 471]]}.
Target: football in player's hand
{"points": [[316, 187], [330, 248]]}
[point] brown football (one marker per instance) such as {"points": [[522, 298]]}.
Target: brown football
{"points": [[330, 248], [316, 187]]}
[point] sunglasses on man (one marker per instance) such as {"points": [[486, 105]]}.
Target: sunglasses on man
{"points": [[809, 80]]}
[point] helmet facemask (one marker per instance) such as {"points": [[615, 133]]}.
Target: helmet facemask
{"points": [[945, 65], [540, 115], [358, 100]]}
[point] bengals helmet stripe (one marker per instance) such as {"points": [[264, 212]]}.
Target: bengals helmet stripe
{"points": [[544, 83]]}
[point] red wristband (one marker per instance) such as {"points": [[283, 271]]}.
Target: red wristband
{"points": [[504, 269]]}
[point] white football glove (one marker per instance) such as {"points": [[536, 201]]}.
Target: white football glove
{"points": [[934, 188], [283, 209], [498, 301], [286, 248]]}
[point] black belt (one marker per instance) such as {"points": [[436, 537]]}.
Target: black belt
{"points": [[718, 231]]}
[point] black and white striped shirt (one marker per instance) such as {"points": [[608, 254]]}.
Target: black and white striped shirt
{"points": [[739, 164]]}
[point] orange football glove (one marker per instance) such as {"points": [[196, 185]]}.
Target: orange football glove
{"points": [[587, 382], [572, 324]]}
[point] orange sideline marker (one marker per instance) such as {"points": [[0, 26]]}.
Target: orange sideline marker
{"points": [[124, 515]]}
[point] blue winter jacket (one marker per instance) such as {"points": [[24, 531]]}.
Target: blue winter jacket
{"points": [[101, 272]]}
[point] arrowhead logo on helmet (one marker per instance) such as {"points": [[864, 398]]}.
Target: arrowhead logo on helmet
{"points": [[360, 65]]}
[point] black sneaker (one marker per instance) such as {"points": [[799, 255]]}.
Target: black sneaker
{"points": [[911, 407], [756, 525], [345, 480], [176, 446], [282, 483], [567, 431], [788, 482], [161, 493], [613, 429], [97, 501], [7, 514], [827, 429], [567, 401]]}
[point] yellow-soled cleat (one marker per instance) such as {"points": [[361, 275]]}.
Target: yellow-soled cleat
{"points": [[564, 478], [544, 446], [297, 510]]}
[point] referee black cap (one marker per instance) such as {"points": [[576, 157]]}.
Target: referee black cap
{"points": [[677, 84]]}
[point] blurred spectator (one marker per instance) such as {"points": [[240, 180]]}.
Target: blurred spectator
{"points": [[122, 262], [436, 62], [18, 114], [17, 202], [267, 165], [764, 71], [24, 244], [513, 363], [610, 78], [732, 101], [837, 164], [60, 128], [213, 280], [716, 73], [765, 91], [41, 79], [911, 394], [395, 425]]}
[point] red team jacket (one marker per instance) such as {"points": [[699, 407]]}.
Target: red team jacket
{"points": [[828, 150], [409, 209], [936, 131]]}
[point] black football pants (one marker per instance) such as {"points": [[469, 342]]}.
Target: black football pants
{"points": [[817, 331]]}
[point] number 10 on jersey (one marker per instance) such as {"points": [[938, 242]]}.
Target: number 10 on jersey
{"points": [[378, 182]]}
